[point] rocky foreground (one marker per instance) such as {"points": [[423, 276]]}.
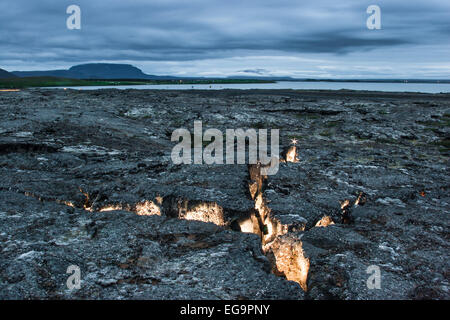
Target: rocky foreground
{"points": [[87, 180]]}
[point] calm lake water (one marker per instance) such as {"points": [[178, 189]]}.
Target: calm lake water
{"points": [[371, 86]]}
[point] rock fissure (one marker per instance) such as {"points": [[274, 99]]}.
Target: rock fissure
{"points": [[282, 248]]}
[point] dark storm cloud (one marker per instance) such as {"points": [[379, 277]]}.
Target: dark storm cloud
{"points": [[34, 32]]}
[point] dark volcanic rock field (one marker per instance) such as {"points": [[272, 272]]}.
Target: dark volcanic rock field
{"points": [[87, 180]]}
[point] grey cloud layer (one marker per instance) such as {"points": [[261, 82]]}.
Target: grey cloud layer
{"points": [[171, 30]]}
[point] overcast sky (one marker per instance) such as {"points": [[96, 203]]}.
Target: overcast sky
{"points": [[317, 39]]}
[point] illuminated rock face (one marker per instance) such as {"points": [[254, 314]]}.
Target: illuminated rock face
{"points": [[325, 222], [285, 252], [147, 208], [206, 212], [188, 210], [110, 208], [256, 180], [248, 226], [142, 208], [291, 155], [288, 260]]}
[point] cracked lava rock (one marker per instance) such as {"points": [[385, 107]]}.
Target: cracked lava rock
{"points": [[87, 180]]}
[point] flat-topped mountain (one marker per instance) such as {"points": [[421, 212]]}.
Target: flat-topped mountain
{"points": [[107, 71], [94, 71]]}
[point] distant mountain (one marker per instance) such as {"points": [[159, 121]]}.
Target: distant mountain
{"points": [[6, 75], [50, 73], [95, 71], [107, 71]]}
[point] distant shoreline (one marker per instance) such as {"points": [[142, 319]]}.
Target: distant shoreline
{"points": [[30, 82], [435, 88], [373, 80]]}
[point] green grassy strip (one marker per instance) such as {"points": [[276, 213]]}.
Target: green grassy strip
{"points": [[27, 82]]}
